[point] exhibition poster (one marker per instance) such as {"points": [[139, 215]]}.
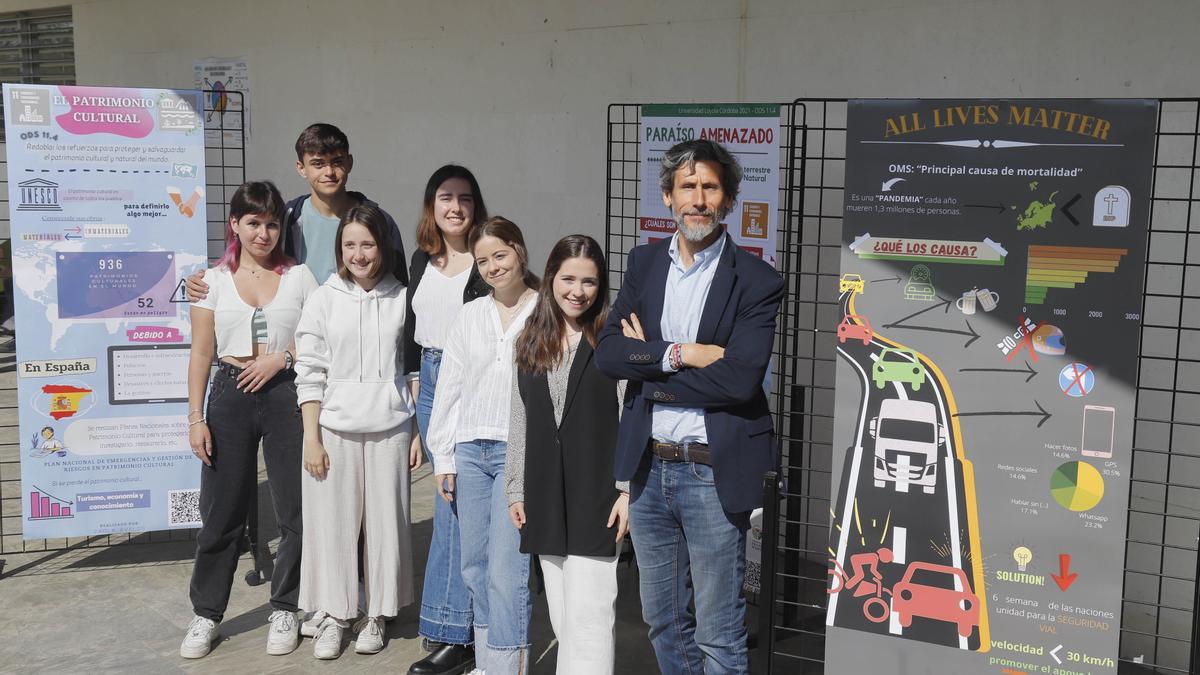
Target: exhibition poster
{"points": [[226, 117], [107, 200], [992, 265]]}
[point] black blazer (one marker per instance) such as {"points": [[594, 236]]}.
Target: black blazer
{"points": [[739, 315], [569, 487], [476, 288]]}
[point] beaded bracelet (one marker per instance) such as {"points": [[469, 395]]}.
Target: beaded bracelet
{"points": [[676, 356]]}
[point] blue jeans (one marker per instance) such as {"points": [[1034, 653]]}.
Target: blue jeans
{"points": [[684, 540], [445, 601], [492, 563]]}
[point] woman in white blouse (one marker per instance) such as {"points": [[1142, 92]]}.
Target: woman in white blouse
{"points": [[249, 318], [467, 438]]}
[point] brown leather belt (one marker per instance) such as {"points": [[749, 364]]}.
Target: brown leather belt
{"points": [[681, 452]]}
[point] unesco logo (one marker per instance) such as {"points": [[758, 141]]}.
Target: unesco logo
{"points": [[38, 194]]}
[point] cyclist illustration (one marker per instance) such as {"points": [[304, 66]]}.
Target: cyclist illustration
{"points": [[876, 609]]}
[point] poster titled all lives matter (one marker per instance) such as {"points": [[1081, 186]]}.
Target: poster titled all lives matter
{"points": [[992, 264]]}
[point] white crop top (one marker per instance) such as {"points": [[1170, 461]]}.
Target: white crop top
{"points": [[233, 317]]}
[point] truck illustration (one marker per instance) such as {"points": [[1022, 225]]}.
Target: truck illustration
{"points": [[907, 437]]}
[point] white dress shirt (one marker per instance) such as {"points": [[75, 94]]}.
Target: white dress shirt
{"points": [[683, 304], [475, 380]]}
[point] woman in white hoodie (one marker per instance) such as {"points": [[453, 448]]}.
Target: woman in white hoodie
{"points": [[359, 449]]}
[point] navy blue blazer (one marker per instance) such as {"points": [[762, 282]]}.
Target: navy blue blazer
{"points": [[739, 315]]}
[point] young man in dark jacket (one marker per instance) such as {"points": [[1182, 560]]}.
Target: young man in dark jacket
{"points": [[310, 222]]}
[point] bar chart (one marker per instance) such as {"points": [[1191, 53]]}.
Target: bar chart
{"points": [[1065, 267], [45, 506]]}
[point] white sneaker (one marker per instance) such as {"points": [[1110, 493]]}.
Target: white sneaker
{"points": [[310, 627], [370, 635], [283, 637], [328, 642], [201, 633]]}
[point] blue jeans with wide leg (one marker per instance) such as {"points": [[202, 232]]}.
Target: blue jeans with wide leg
{"points": [[493, 566], [445, 600], [689, 549]]}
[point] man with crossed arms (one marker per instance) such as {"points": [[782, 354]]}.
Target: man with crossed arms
{"points": [[692, 329]]}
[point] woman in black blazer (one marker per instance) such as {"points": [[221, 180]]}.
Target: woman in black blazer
{"points": [[559, 464]]}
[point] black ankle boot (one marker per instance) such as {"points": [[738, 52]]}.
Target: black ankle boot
{"points": [[445, 659]]}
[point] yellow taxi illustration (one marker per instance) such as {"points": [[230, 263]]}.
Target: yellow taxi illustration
{"points": [[851, 282]]}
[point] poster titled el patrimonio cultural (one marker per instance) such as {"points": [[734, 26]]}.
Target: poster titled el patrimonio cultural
{"points": [[107, 200]]}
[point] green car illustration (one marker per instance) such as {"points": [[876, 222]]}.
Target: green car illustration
{"points": [[902, 366]]}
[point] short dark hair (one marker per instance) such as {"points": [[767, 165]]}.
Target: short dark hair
{"points": [[688, 153], [376, 222], [321, 139], [256, 196]]}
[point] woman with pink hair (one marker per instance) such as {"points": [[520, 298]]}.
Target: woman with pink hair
{"points": [[249, 318]]}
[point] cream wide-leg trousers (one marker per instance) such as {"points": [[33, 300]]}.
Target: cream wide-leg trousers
{"points": [[367, 487], [581, 592]]}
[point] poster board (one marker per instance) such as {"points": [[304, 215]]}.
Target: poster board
{"points": [[106, 188], [992, 268]]}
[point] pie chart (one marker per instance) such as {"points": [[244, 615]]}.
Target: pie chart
{"points": [[1077, 486]]}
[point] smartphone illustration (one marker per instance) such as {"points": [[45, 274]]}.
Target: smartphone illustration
{"points": [[1098, 423]]}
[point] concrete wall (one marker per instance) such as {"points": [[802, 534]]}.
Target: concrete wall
{"points": [[518, 90]]}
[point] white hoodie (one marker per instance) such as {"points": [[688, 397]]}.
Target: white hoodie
{"points": [[348, 355]]}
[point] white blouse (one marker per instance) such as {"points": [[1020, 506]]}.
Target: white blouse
{"points": [[233, 316], [437, 301], [475, 380]]}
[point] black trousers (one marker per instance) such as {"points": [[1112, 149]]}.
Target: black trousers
{"points": [[238, 421]]}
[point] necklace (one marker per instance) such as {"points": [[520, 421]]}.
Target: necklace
{"points": [[510, 312]]}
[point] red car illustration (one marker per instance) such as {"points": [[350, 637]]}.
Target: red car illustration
{"points": [[862, 330], [912, 598]]}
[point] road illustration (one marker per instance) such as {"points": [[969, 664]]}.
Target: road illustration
{"points": [[904, 547]]}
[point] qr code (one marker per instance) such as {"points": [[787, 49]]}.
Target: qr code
{"points": [[751, 582], [183, 508]]}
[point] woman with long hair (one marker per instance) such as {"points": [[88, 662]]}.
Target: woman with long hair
{"points": [[249, 318], [443, 278], [467, 435], [559, 466], [359, 450]]}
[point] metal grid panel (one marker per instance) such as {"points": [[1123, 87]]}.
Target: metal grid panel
{"points": [[225, 170], [1158, 624]]}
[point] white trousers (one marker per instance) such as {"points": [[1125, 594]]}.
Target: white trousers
{"points": [[367, 488], [581, 592]]}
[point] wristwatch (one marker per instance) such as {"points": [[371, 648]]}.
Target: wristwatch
{"points": [[288, 361]]}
